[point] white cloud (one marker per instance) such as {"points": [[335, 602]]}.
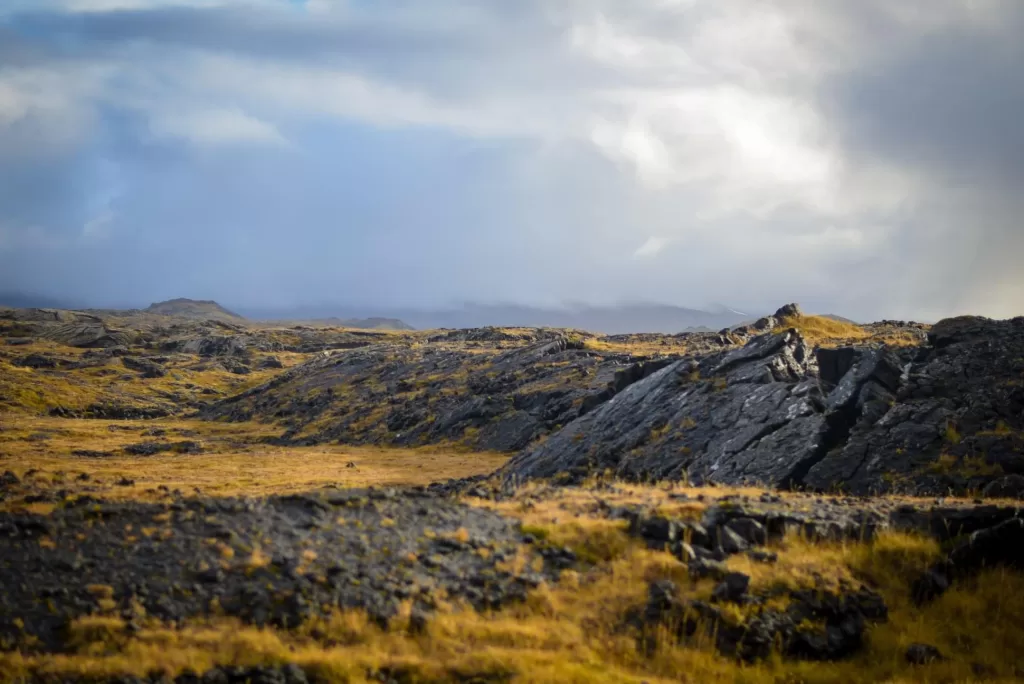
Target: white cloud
{"points": [[214, 127], [650, 248]]}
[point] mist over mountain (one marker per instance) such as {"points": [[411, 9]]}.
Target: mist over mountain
{"points": [[611, 319]]}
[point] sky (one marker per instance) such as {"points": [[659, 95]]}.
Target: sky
{"points": [[861, 157]]}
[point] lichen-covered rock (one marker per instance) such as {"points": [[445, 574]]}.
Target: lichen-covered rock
{"points": [[387, 547]]}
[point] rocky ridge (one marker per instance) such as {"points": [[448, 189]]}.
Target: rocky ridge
{"points": [[940, 418]]}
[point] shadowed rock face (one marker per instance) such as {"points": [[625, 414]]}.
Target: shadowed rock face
{"points": [[932, 419], [755, 412], [955, 422]]}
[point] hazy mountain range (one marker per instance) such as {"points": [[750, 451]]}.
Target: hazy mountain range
{"points": [[610, 319]]}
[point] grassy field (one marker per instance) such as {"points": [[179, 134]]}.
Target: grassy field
{"points": [[233, 462]]}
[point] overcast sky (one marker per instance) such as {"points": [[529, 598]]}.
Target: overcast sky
{"points": [[863, 157]]}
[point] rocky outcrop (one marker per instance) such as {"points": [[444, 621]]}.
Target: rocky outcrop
{"points": [[496, 399], [388, 547], [954, 424], [814, 626], [211, 345], [999, 546], [87, 332], [947, 416], [148, 368], [754, 413]]}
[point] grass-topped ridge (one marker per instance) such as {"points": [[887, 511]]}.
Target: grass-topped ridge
{"points": [[820, 329]]}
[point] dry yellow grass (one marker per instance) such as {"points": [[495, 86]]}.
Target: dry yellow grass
{"points": [[823, 331], [27, 390], [234, 464], [665, 346], [574, 631]]}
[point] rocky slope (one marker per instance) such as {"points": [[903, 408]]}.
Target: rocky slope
{"points": [[489, 389], [945, 416]]}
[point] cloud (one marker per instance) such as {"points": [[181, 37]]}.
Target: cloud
{"points": [[650, 247], [98, 227], [215, 127], [861, 156]]}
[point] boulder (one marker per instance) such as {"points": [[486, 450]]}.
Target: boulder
{"points": [[1009, 487], [149, 369], [88, 332]]}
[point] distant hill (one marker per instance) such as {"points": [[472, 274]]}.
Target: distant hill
{"points": [[194, 309], [613, 319], [374, 323]]}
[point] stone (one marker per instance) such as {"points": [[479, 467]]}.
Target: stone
{"points": [[750, 530], [922, 654], [1008, 487], [732, 587], [788, 311], [149, 369], [728, 541]]}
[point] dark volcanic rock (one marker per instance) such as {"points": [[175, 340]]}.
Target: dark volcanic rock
{"points": [[1009, 487], [151, 448], [89, 332], [962, 397], [36, 361], [493, 399], [945, 417], [368, 549], [750, 414], [149, 369], [998, 546], [815, 626]]}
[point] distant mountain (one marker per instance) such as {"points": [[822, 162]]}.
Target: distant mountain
{"points": [[624, 318], [373, 323], [194, 309]]}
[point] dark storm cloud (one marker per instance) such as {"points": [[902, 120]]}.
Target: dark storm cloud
{"points": [[948, 103]]}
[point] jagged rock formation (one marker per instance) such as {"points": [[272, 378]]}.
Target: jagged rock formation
{"points": [[88, 332], [933, 419], [956, 418]]}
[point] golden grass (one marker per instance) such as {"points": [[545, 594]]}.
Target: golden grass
{"points": [[234, 465], [27, 390], [665, 346], [575, 632], [823, 331]]}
